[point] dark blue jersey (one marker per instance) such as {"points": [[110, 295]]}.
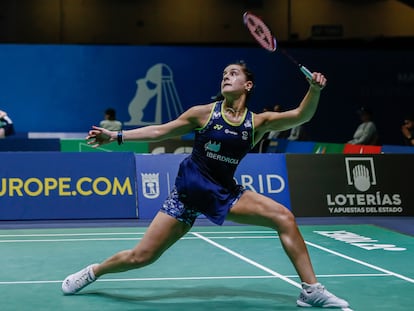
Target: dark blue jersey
{"points": [[205, 179]]}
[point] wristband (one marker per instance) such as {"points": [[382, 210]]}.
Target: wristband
{"points": [[120, 138]]}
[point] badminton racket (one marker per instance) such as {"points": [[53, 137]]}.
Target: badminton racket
{"points": [[263, 35]]}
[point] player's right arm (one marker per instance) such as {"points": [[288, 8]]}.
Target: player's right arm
{"points": [[192, 118]]}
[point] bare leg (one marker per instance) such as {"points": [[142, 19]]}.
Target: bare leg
{"points": [[256, 209], [163, 232]]}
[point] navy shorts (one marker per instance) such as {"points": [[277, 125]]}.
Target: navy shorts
{"points": [[175, 208]]}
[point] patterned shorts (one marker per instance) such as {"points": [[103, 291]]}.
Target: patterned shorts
{"points": [[175, 208]]}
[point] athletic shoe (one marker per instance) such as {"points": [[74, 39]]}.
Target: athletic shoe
{"points": [[316, 295], [75, 282]]}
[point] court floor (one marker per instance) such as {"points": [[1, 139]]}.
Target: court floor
{"points": [[211, 268]]}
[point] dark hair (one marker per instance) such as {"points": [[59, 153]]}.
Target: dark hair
{"points": [[410, 117], [365, 110], [249, 74], [111, 113]]}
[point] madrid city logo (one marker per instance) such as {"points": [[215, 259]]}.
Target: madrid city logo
{"points": [[156, 99], [150, 185], [363, 197]]}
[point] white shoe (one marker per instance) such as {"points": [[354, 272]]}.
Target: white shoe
{"points": [[75, 282], [316, 295]]}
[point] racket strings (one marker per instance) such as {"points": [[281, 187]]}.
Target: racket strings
{"points": [[260, 32]]}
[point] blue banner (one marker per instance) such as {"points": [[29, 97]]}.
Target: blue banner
{"points": [[262, 173], [55, 185], [66, 88]]}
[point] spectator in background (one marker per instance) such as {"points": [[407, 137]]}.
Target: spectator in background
{"points": [[297, 133], [111, 123], [407, 130], [6, 125], [366, 132]]}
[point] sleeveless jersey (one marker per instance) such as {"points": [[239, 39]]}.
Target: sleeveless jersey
{"points": [[205, 179]]}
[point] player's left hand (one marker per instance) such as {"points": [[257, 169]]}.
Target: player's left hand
{"points": [[318, 81]]}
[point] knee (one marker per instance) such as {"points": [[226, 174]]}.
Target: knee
{"points": [[282, 217], [141, 257]]}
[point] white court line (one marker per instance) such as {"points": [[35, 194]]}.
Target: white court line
{"points": [[122, 233], [128, 239], [227, 250], [68, 234], [252, 262], [194, 278], [397, 275]]}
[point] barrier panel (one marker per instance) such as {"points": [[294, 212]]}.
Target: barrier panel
{"points": [[56, 185], [263, 173], [328, 148], [166, 146], [25, 144], [361, 149], [117, 185], [347, 185], [397, 149], [80, 145]]}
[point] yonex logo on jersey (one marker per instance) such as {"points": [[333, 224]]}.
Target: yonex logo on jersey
{"points": [[218, 127], [245, 135], [212, 146]]}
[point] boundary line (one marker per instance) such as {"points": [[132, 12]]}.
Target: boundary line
{"points": [[397, 275], [196, 278]]}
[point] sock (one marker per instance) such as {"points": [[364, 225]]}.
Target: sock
{"points": [[309, 288]]}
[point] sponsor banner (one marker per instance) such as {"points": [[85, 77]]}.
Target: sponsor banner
{"points": [[56, 185], [354, 185], [262, 173]]}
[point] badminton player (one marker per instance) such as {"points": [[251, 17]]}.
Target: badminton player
{"points": [[225, 131]]}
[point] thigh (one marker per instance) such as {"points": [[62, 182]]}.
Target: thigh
{"points": [[256, 209]]}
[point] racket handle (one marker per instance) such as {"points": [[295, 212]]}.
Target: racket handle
{"points": [[305, 71]]}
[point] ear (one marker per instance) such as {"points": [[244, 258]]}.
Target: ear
{"points": [[248, 86]]}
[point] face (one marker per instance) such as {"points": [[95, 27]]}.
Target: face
{"points": [[409, 124], [234, 81]]}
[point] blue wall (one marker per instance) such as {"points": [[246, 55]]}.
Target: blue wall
{"points": [[66, 88]]}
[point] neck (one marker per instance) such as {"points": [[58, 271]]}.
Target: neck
{"points": [[235, 106]]}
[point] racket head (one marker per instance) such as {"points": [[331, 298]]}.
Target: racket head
{"points": [[260, 31]]}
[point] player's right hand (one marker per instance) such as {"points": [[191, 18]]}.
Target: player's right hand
{"points": [[98, 136]]}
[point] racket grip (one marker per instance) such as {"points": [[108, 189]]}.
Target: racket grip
{"points": [[305, 71]]}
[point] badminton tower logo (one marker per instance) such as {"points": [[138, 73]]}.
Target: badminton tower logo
{"points": [[156, 99]]}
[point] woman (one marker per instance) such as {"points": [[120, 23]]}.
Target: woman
{"points": [[225, 132], [366, 132]]}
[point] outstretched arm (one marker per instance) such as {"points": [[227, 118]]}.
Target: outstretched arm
{"points": [[184, 124]]}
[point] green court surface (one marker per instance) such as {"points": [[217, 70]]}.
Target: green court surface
{"points": [[211, 268]]}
